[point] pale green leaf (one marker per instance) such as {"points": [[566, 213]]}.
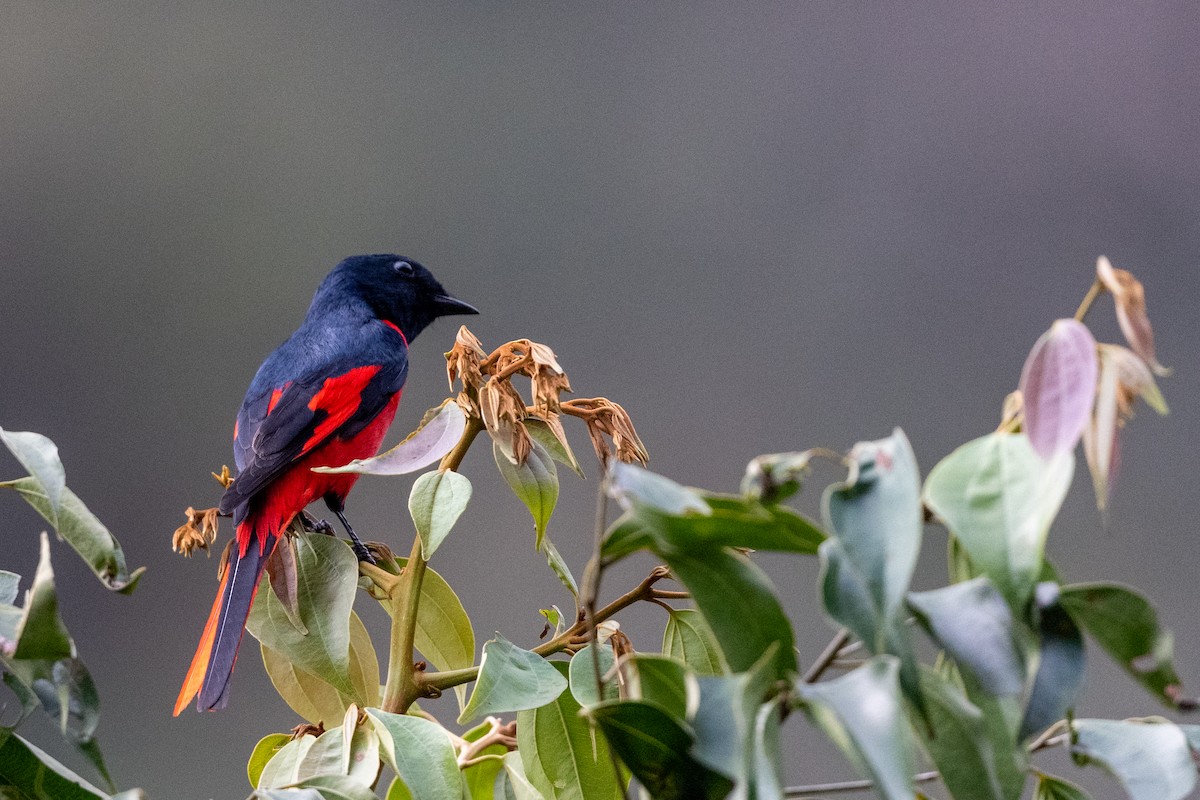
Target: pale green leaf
{"points": [[439, 431], [861, 712], [327, 580], [83, 531], [957, 739], [437, 500], [421, 753], [283, 767], [971, 621], [311, 697], [584, 681], [559, 566], [562, 757], [266, 749], [554, 442], [998, 498], [39, 456], [1151, 758], [9, 582], [688, 638], [535, 483], [41, 633], [511, 679]]}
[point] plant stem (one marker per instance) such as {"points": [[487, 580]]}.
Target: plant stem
{"points": [[827, 656], [848, 786], [1095, 291], [404, 684], [576, 635]]}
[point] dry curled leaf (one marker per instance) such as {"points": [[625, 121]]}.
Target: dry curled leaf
{"points": [[1130, 299], [464, 359], [225, 478], [198, 532], [606, 418]]}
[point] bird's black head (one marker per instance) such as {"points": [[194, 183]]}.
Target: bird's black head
{"points": [[395, 288]]}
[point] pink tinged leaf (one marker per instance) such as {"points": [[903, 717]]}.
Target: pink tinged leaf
{"points": [[1059, 385], [1130, 298], [1100, 442]]}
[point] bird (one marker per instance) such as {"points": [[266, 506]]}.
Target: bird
{"points": [[324, 397]]}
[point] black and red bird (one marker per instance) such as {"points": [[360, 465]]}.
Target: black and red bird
{"points": [[324, 398]]}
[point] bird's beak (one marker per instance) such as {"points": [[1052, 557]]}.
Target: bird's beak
{"points": [[447, 306]]}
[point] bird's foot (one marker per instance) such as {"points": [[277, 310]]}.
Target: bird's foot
{"points": [[361, 551], [314, 525]]}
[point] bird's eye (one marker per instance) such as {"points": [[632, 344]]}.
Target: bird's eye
{"points": [[403, 268]]}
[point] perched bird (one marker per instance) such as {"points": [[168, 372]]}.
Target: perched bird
{"points": [[324, 398]]}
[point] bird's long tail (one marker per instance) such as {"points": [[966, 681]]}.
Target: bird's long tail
{"points": [[212, 666]]}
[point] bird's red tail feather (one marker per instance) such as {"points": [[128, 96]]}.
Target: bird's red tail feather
{"points": [[213, 663]]}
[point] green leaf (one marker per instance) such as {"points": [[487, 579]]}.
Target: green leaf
{"points": [[583, 680], [439, 431], [437, 501], [263, 752], [847, 597], [535, 483], [767, 769], [9, 583], [34, 775], [1052, 788], [559, 567], [665, 682], [557, 447], [729, 522], [516, 784], [511, 679], [739, 604], [1150, 758], [633, 486], [688, 638], [656, 748], [774, 477], [443, 634], [974, 625], [421, 754], [998, 498], [877, 518], [1060, 663], [726, 724], [41, 633], [315, 700], [282, 769], [39, 456], [562, 757], [337, 787], [862, 714], [80, 528], [327, 579], [1125, 624], [958, 741]]}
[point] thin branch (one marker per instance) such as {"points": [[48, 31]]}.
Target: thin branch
{"points": [[575, 636], [827, 656], [1094, 292], [667, 594], [800, 792]]}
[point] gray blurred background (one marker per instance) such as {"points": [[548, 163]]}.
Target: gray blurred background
{"points": [[758, 227]]}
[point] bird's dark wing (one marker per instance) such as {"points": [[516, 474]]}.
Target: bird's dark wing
{"points": [[284, 423]]}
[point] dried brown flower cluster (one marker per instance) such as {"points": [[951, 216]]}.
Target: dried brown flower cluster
{"points": [[489, 395], [197, 533]]}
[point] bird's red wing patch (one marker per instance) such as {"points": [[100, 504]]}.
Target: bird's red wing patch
{"points": [[339, 397], [275, 395], [195, 673]]}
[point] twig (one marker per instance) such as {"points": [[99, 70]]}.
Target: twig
{"points": [[1095, 291], [573, 637], [799, 792], [498, 733], [827, 656]]}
